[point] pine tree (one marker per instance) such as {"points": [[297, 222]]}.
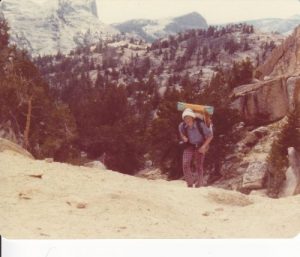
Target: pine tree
{"points": [[163, 136], [224, 118], [25, 100], [108, 124], [4, 36], [241, 73], [99, 83]]}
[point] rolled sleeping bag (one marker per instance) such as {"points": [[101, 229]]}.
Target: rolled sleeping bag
{"points": [[203, 109]]}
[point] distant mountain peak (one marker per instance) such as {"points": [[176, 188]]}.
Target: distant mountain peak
{"points": [[295, 17], [151, 30], [61, 25], [88, 5], [190, 15]]}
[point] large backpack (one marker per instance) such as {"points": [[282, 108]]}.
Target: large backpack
{"points": [[203, 111], [199, 127], [198, 121]]}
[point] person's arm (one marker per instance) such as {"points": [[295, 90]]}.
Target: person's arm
{"points": [[208, 135], [183, 137], [203, 148]]}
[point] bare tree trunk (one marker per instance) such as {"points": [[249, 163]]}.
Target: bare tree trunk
{"points": [[28, 121]]}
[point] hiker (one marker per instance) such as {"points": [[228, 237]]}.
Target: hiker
{"points": [[196, 137]]}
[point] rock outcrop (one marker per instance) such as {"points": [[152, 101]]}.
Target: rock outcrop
{"points": [[255, 175], [291, 185], [56, 26], [95, 164], [279, 89], [246, 169], [267, 101], [263, 102], [152, 174], [151, 30], [8, 145], [284, 59], [293, 91], [7, 132]]}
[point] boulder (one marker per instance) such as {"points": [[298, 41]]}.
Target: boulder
{"points": [[293, 91], [238, 127], [263, 102], [152, 174], [291, 185], [230, 170], [236, 157], [255, 175], [83, 154], [250, 140], [7, 132], [260, 192], [8, 145], [261, 132], [95, 164], [148, 164]]}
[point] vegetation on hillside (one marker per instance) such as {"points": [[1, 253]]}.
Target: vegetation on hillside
{"points": [[91, 101], [43, 125], [289, 136]]}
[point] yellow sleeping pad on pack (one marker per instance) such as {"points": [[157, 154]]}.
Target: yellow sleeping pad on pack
{"points": [[203, 109]]}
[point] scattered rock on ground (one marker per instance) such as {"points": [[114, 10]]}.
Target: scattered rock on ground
{"points": [[95, 164], [255, 175], [8, 145], [152, 174]]}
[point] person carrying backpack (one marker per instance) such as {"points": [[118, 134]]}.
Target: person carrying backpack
{"points": [[196, 137]]}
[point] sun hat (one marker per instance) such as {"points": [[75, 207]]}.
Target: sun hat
{"points": [[188, 112]]}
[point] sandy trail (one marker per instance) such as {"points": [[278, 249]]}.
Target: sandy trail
{"points": [[41, 200]]}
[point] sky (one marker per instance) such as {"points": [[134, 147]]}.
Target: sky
{"points": [[214, 11]]}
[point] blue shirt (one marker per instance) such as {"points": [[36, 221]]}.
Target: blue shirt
{"points": [[193, 134]]}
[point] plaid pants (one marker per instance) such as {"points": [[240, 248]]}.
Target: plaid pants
{"points": [[192, 156]]}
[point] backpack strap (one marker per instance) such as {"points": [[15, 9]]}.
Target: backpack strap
{"points": [[184, 130], [198, 126]]}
